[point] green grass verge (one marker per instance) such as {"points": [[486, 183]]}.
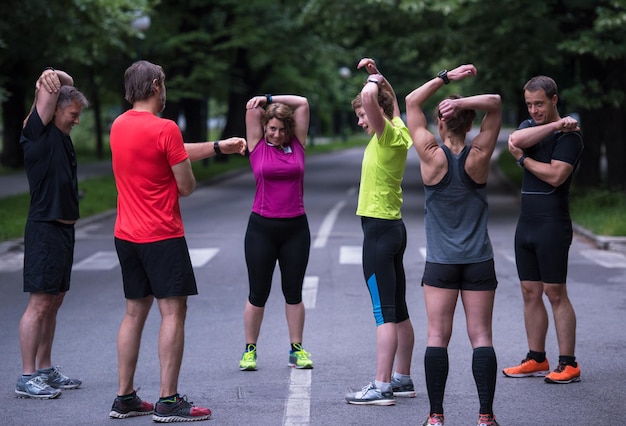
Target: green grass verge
{"points": [[598, 210], [100, 195]]}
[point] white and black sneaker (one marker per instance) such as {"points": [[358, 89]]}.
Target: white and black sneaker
{"points": [[371, 395]]}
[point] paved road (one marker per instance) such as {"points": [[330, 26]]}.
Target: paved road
{"points": [[339, 330]]}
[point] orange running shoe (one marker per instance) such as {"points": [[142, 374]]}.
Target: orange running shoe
{"points": [[564, 374], [487, 420], [528, 368]]}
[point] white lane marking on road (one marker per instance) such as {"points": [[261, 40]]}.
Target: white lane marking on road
{"points": [[298, 404], [327, 225], [99, 261], [329, 221], [200, 257], [608, 259], [309, 292], [106, 260], [350, 255], [508, 255]]}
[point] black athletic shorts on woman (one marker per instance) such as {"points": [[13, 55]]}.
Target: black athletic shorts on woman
{"points": [[479, 276]]}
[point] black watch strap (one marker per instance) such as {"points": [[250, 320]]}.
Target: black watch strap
{"points": [[443, 74]]}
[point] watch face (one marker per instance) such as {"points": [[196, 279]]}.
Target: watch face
{"points": [[443, 74]]}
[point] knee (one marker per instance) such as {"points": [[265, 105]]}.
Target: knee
{"points": [[293, 299], [557, 296], [532, 293], [257, 300]]}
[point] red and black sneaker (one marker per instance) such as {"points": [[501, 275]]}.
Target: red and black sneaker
{"points": [[178, 409]]}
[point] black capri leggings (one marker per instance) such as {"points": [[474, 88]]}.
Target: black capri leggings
{"points": [[268, 240]]}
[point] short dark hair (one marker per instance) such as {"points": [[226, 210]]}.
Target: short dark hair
{"points": [[541, 82], [460, 121], [138, 80]]}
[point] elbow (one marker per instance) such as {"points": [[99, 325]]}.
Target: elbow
{"points": [[514, 140], [186, 190], [558, 180], [408, 100], [305, 105], [496, 102]]}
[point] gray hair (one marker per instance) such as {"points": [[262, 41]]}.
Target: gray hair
{"points": [[69, 94]]}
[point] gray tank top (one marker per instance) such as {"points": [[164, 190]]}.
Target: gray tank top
{"points": [[455, 216]]}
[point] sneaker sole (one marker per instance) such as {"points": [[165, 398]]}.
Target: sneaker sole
{"points": [[21, 394], [405, 394], [382, 402], [66, 387], [172, 419], [563, 382], [533, 374], [300, 367], [116, 415], [248, 368]]}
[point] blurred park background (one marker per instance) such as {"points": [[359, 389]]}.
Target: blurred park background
{"points": [[218, 53]]}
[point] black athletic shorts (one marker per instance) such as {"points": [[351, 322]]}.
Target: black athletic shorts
{"points": [[469, 276], [542, 251], [48, 257], [162, 268]]}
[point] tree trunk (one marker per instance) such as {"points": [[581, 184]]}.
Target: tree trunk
{"points": [[589, 173], [242, 87], [615, 151], [13, 114], [195, 119], [94, 103]]}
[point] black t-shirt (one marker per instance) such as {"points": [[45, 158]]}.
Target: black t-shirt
{"points": [[50, 163], [540, 200]]}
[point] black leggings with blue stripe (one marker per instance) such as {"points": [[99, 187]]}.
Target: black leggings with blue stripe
{"points": [[384, 243]]}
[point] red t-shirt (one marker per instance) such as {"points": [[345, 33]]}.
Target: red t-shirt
{"points": [[144, 148]]}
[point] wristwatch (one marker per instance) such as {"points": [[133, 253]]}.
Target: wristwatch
{"points": [[520, 162], [443, 74]]}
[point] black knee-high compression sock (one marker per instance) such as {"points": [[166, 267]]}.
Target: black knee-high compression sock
{"points": [[484, 366], [436, 369]]}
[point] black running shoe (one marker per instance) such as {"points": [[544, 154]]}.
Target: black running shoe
{"points": [[130, 406]]}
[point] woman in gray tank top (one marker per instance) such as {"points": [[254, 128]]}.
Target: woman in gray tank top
{"points": [[459, 258]]}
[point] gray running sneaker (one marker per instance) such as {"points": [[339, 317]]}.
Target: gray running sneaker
{"points": [[35, 387], [371, 395], [58, 380], [403, 390]]}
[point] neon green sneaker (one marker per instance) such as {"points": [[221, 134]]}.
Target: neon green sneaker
{"points": [[248, 359], [299, 358]]}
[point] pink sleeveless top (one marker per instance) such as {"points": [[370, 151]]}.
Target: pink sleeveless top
{"points": [[279, 175]]}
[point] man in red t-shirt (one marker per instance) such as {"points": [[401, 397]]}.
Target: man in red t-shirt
{"points": [[152, 169]]}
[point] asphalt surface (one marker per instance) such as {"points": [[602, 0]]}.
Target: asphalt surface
{"points": [[339, 330]]}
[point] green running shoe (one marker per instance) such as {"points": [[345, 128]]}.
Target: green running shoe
{"points": [[299, 358], [248, 359]]}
